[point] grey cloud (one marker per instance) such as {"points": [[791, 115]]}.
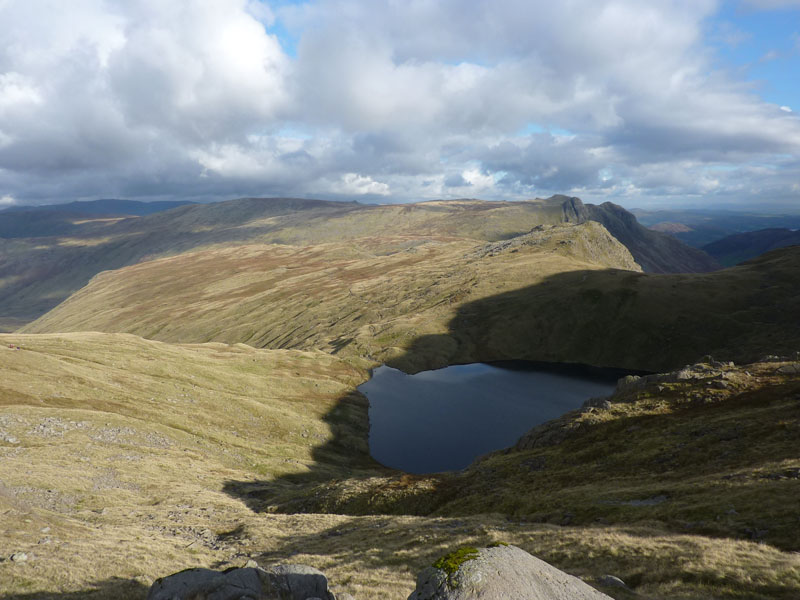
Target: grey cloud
{"points": [[417, 100], [456, 180]]}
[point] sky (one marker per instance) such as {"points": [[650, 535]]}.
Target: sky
{"points": [[665, 103]]}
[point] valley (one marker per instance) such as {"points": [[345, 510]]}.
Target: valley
{"points": [[189, 398]]}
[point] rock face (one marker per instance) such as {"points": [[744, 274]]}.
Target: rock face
{"points": [[281, 582], [655, 251], [499, 573]]}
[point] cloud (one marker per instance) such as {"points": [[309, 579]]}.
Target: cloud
{"points": [[7, 201], [456, 180], [358, 185], [384, 100], [786, 109]]}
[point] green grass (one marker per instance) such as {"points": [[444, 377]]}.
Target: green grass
{"points": [[177, 440]]}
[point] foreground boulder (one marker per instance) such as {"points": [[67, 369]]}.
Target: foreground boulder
{"points": [[498, 573], [282, 582]]}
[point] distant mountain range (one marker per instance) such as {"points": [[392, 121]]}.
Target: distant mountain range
{"points": [[740, 247], [66, 219], [700, 227], [109, 206]]}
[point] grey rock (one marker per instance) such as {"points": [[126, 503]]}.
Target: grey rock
{"points": [[18, 557], [791, 369], [282, 582], [599, 402], [772, 358], [629, 383], [502, 573], [298, 582], [612, 581]]}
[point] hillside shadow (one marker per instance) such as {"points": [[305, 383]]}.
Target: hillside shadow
{"points": [[114, 588], [605, 318], [506, 327]]}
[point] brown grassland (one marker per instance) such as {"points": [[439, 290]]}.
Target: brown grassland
{"points": [[200, 408], [126, 459]]}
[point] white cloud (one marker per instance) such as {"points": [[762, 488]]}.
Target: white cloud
{"points": [[786, 109], [7, 201], [359, 185], [399, 101]]}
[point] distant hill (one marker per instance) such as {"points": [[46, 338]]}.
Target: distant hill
{"points": [[739, 247], [700, 227], [73, 218], [109, 206], [37, 274]]}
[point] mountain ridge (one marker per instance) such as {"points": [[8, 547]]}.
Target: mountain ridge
{"points": [[36, 274]]}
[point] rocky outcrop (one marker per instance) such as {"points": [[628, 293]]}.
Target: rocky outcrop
{"points": [[656, 252], [588, 241], [281, 582], [498, 573], [708, 370], [707, 374]]}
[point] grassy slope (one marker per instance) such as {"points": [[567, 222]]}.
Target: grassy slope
{"points": [[178, 463], [36, 274], [122, 446], [160, 431], [368, 298], [632, 320], [420, 303]]}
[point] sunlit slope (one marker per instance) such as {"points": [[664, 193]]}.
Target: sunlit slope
{"points": [[38, 273], [122, 447], [262, 405], [122, 460], [419, 304], [371, 298]]}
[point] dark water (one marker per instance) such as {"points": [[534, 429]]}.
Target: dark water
{"points": [[442, 420]]}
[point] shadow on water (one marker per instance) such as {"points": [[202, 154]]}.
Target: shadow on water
{"points": [[608, 318], [115, 588]]}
